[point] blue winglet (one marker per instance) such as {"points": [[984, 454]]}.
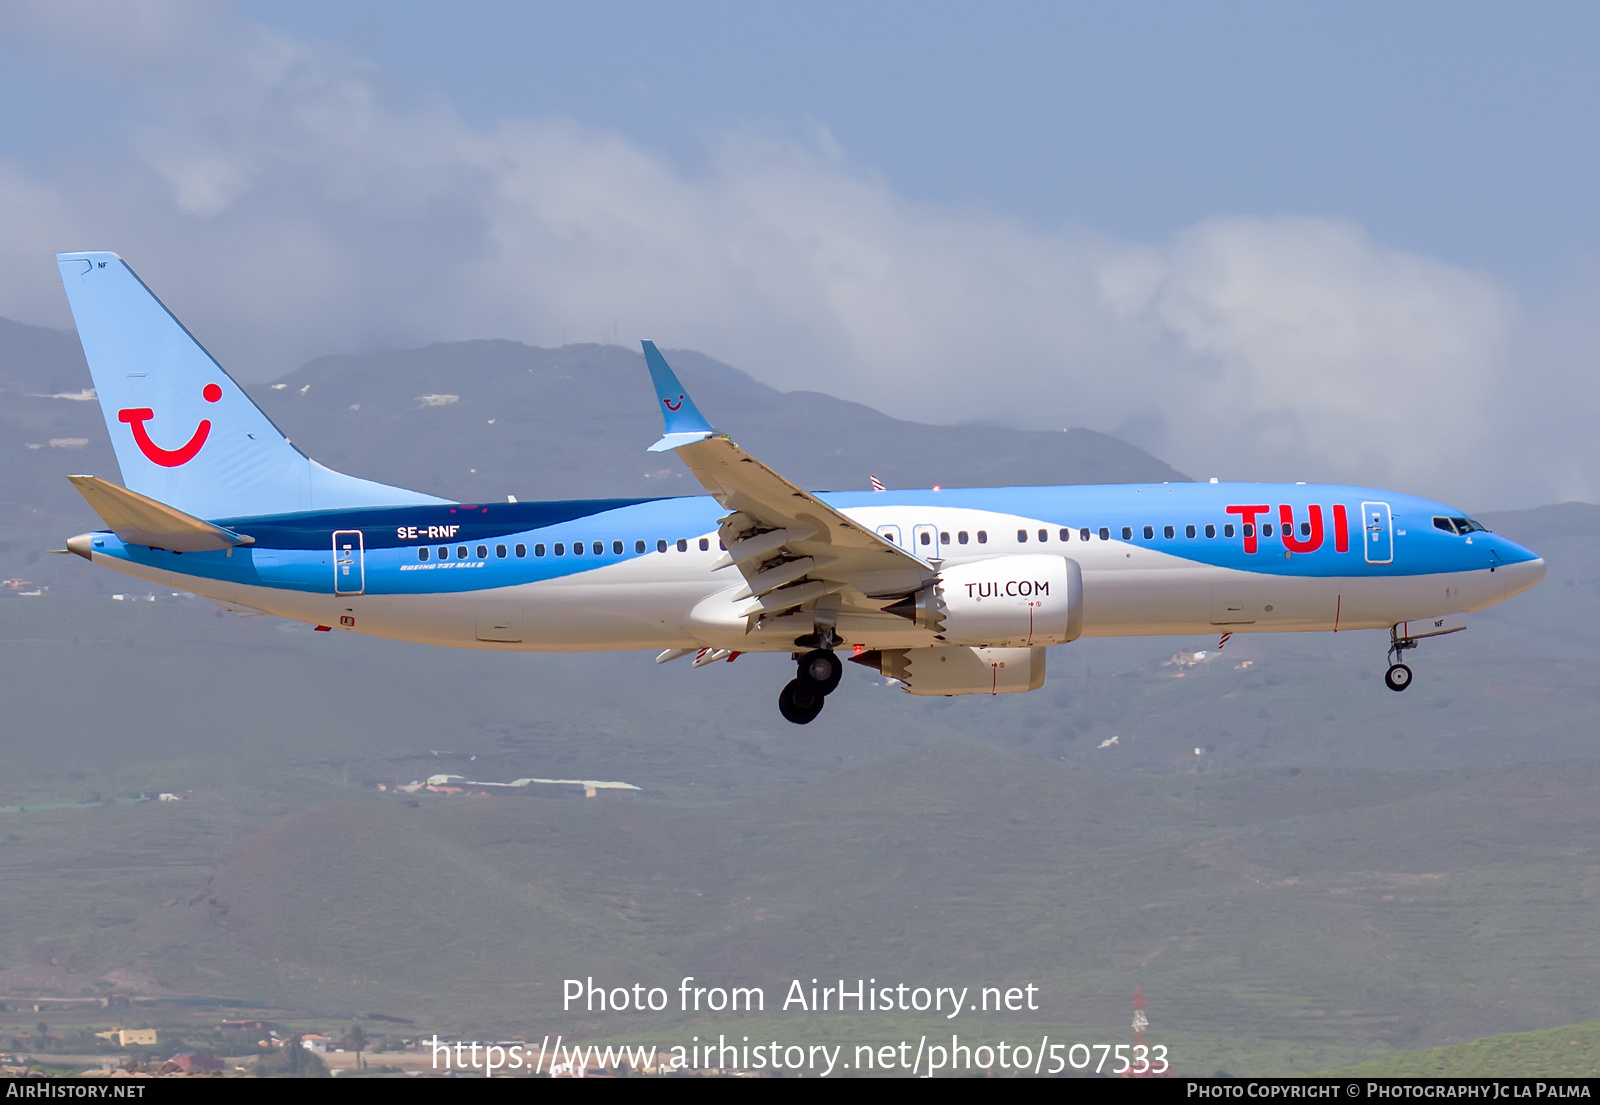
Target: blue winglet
{"points": [[684, 423]]}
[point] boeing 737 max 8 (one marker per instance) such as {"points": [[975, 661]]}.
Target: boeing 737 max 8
{"points": [[954, 591]]}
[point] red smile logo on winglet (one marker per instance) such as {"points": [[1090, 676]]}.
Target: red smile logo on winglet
{"points": [[671, 406], [136, 417]]}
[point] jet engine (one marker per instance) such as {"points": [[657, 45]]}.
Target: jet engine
{"points": [[1005, 601]]}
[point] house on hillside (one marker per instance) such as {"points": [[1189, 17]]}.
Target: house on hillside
{"points": [[130, 1037]]}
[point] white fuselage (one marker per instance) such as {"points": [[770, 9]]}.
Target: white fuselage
{"points": [[676, 600]]}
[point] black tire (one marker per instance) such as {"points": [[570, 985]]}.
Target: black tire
{"points": [[822, 668], [800, 702], [1397, 678]]}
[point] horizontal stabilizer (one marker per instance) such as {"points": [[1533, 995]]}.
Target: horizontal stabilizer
{"points": [[140, 520]]}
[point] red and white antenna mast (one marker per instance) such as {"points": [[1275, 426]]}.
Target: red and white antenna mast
{"points": [[1140, 1048]]}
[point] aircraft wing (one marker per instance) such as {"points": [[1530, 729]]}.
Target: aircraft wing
{"points": [[793, 549]]}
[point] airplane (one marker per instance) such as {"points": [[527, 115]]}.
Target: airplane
{"points": [[948, 591]]}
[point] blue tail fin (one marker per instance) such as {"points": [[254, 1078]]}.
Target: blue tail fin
{"points": [[184, 433]]}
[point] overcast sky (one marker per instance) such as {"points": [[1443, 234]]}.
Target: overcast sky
{"points": [[1266, 241]]}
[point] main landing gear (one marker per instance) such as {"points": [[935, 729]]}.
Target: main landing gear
{"points": [[818, 673], [1398, 677]]}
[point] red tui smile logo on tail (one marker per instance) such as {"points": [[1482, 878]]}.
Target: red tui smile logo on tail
{"points": [[136, 417]]}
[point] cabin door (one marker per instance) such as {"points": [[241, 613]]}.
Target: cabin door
{"points": [[349, 562], [1378, 538]]}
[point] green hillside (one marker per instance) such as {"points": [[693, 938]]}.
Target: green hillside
{"points": [[1570, 1052]]}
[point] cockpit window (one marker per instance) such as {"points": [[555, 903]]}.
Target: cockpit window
{"points": [[1445, 524], [1462, 526]]}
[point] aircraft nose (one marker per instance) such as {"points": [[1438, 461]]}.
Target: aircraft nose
{"points": [[1523, 574]]}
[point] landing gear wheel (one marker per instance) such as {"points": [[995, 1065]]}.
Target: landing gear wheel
{"points": [[1398, 677], [800, 701], [822, 668]]}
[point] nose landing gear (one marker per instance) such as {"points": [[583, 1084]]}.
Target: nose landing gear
{"points": [[818, 673], [1398, 677]]}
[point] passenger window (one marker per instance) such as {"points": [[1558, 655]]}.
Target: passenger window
{"points": [[1249, 529], [983, 537], [720, 546], [1022, 537], [962, 537], [561, 549], [598, 547], [483, 552], [422, 553], [444, 553], [1211, 531], [944, 538], [577, 548], [616, 548], [1105, 533], [1305, 529], [1044, 535], [705, 544], [1167, 532], [500, 552], [1066, 535], [1266, 529], [661, 545], [926, 540], [638, 546], [1149, 533], [1227, 530], [1188, 531], [1127, 533], [683, 546], [1083, 534], [461, 552]]}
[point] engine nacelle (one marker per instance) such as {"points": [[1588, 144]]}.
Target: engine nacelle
{"points": [[961, 670], [1004, 601]]}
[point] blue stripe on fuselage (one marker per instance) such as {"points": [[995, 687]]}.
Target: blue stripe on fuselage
{"points": [[1419, 548], [295, 551], [389, 527]]}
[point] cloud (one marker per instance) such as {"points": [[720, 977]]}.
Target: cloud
{"points": [[286, 205], [1315, 347]]}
